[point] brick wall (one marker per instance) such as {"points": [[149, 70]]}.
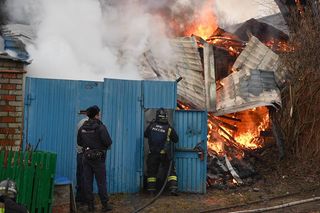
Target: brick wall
{"points": [[11, 103]]}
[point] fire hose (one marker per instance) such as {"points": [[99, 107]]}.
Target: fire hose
{"points": [[163, 186], [260, 201]]}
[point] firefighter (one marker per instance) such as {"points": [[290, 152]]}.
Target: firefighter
{"points": [[160, 135], [8, 195], [93, 136]]}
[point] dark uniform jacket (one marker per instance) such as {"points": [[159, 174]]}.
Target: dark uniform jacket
{"points": [[94, 135], [13, 207], [157, 133]]}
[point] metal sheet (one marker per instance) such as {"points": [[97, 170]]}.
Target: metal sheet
{"points": [[51, 116], [122, 107], [210, 78], [188, 65], [15, 38], [198, 87], [253, 84], [256, 56], [160, 94], [191, 127], [50, 119], [247, 89]]}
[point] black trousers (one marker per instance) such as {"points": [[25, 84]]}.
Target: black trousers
{"points": [[154, 161], [80, 193], [97, 169]]}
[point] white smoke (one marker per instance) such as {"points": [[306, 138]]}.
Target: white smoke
{"points": [[96, 39], [84, 39]]}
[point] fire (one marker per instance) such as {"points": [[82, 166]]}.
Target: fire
{"points": [[183, 106], [257, 120], [279, 46], [240, 131], [205, 22], [246, 139]]}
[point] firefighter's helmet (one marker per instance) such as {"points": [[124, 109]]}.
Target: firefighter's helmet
{"points": [[161, 116], [8, 189]]}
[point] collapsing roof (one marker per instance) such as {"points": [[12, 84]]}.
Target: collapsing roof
{"points": [[275, 21], [252, 83], [188, 66]]}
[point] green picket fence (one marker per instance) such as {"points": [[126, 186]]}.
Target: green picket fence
{"points": [[34, 174]]}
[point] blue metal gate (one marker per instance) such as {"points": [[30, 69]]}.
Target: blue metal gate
{"points": [[52, 113], [191, 151], [51, 116], [122, 115]]}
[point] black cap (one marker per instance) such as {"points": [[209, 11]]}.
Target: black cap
{"points": [[93, 111]]}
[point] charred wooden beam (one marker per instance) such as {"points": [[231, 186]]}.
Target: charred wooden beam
{"points": [[229, 118], [230, 138], [224, 124]]}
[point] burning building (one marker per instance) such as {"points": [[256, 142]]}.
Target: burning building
{"points": [[235, 78]]}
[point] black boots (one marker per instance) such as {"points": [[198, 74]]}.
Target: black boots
{"points": [[106, 207], [174, 192], [152, 193]]}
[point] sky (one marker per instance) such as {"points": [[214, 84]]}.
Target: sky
{"points": [[94, 39], [237, 11]]}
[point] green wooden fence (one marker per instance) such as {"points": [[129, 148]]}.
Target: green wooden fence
{"points": [[34, 174]]}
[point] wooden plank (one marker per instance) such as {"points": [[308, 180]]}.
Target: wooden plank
{"points": [[209, 76]]}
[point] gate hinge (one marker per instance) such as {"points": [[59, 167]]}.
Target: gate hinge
{"points": [[29, 99]]}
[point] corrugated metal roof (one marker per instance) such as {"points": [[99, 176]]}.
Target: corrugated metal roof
{"points": [[247, 89], [275, 20], [253, 84], [256, 56], [188, 66]]}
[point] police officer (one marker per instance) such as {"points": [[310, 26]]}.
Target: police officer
{"points": [[160, 135], [93, 136], [8, 195], [80, 193]]}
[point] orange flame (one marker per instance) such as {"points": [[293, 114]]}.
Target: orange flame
{"points": [[205, 22], [247, 126], [247, 134], [254, 121], [279, 46]]}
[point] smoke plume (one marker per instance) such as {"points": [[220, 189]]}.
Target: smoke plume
{"points": [[88, 39], [96, 39]]}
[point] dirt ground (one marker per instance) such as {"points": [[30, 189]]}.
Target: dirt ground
{"points": [[281, 182]]}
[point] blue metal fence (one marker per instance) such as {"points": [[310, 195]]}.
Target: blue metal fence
{"points": [[51, 117]]}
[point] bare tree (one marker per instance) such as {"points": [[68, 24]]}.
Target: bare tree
{"points": [[293, 11]]}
